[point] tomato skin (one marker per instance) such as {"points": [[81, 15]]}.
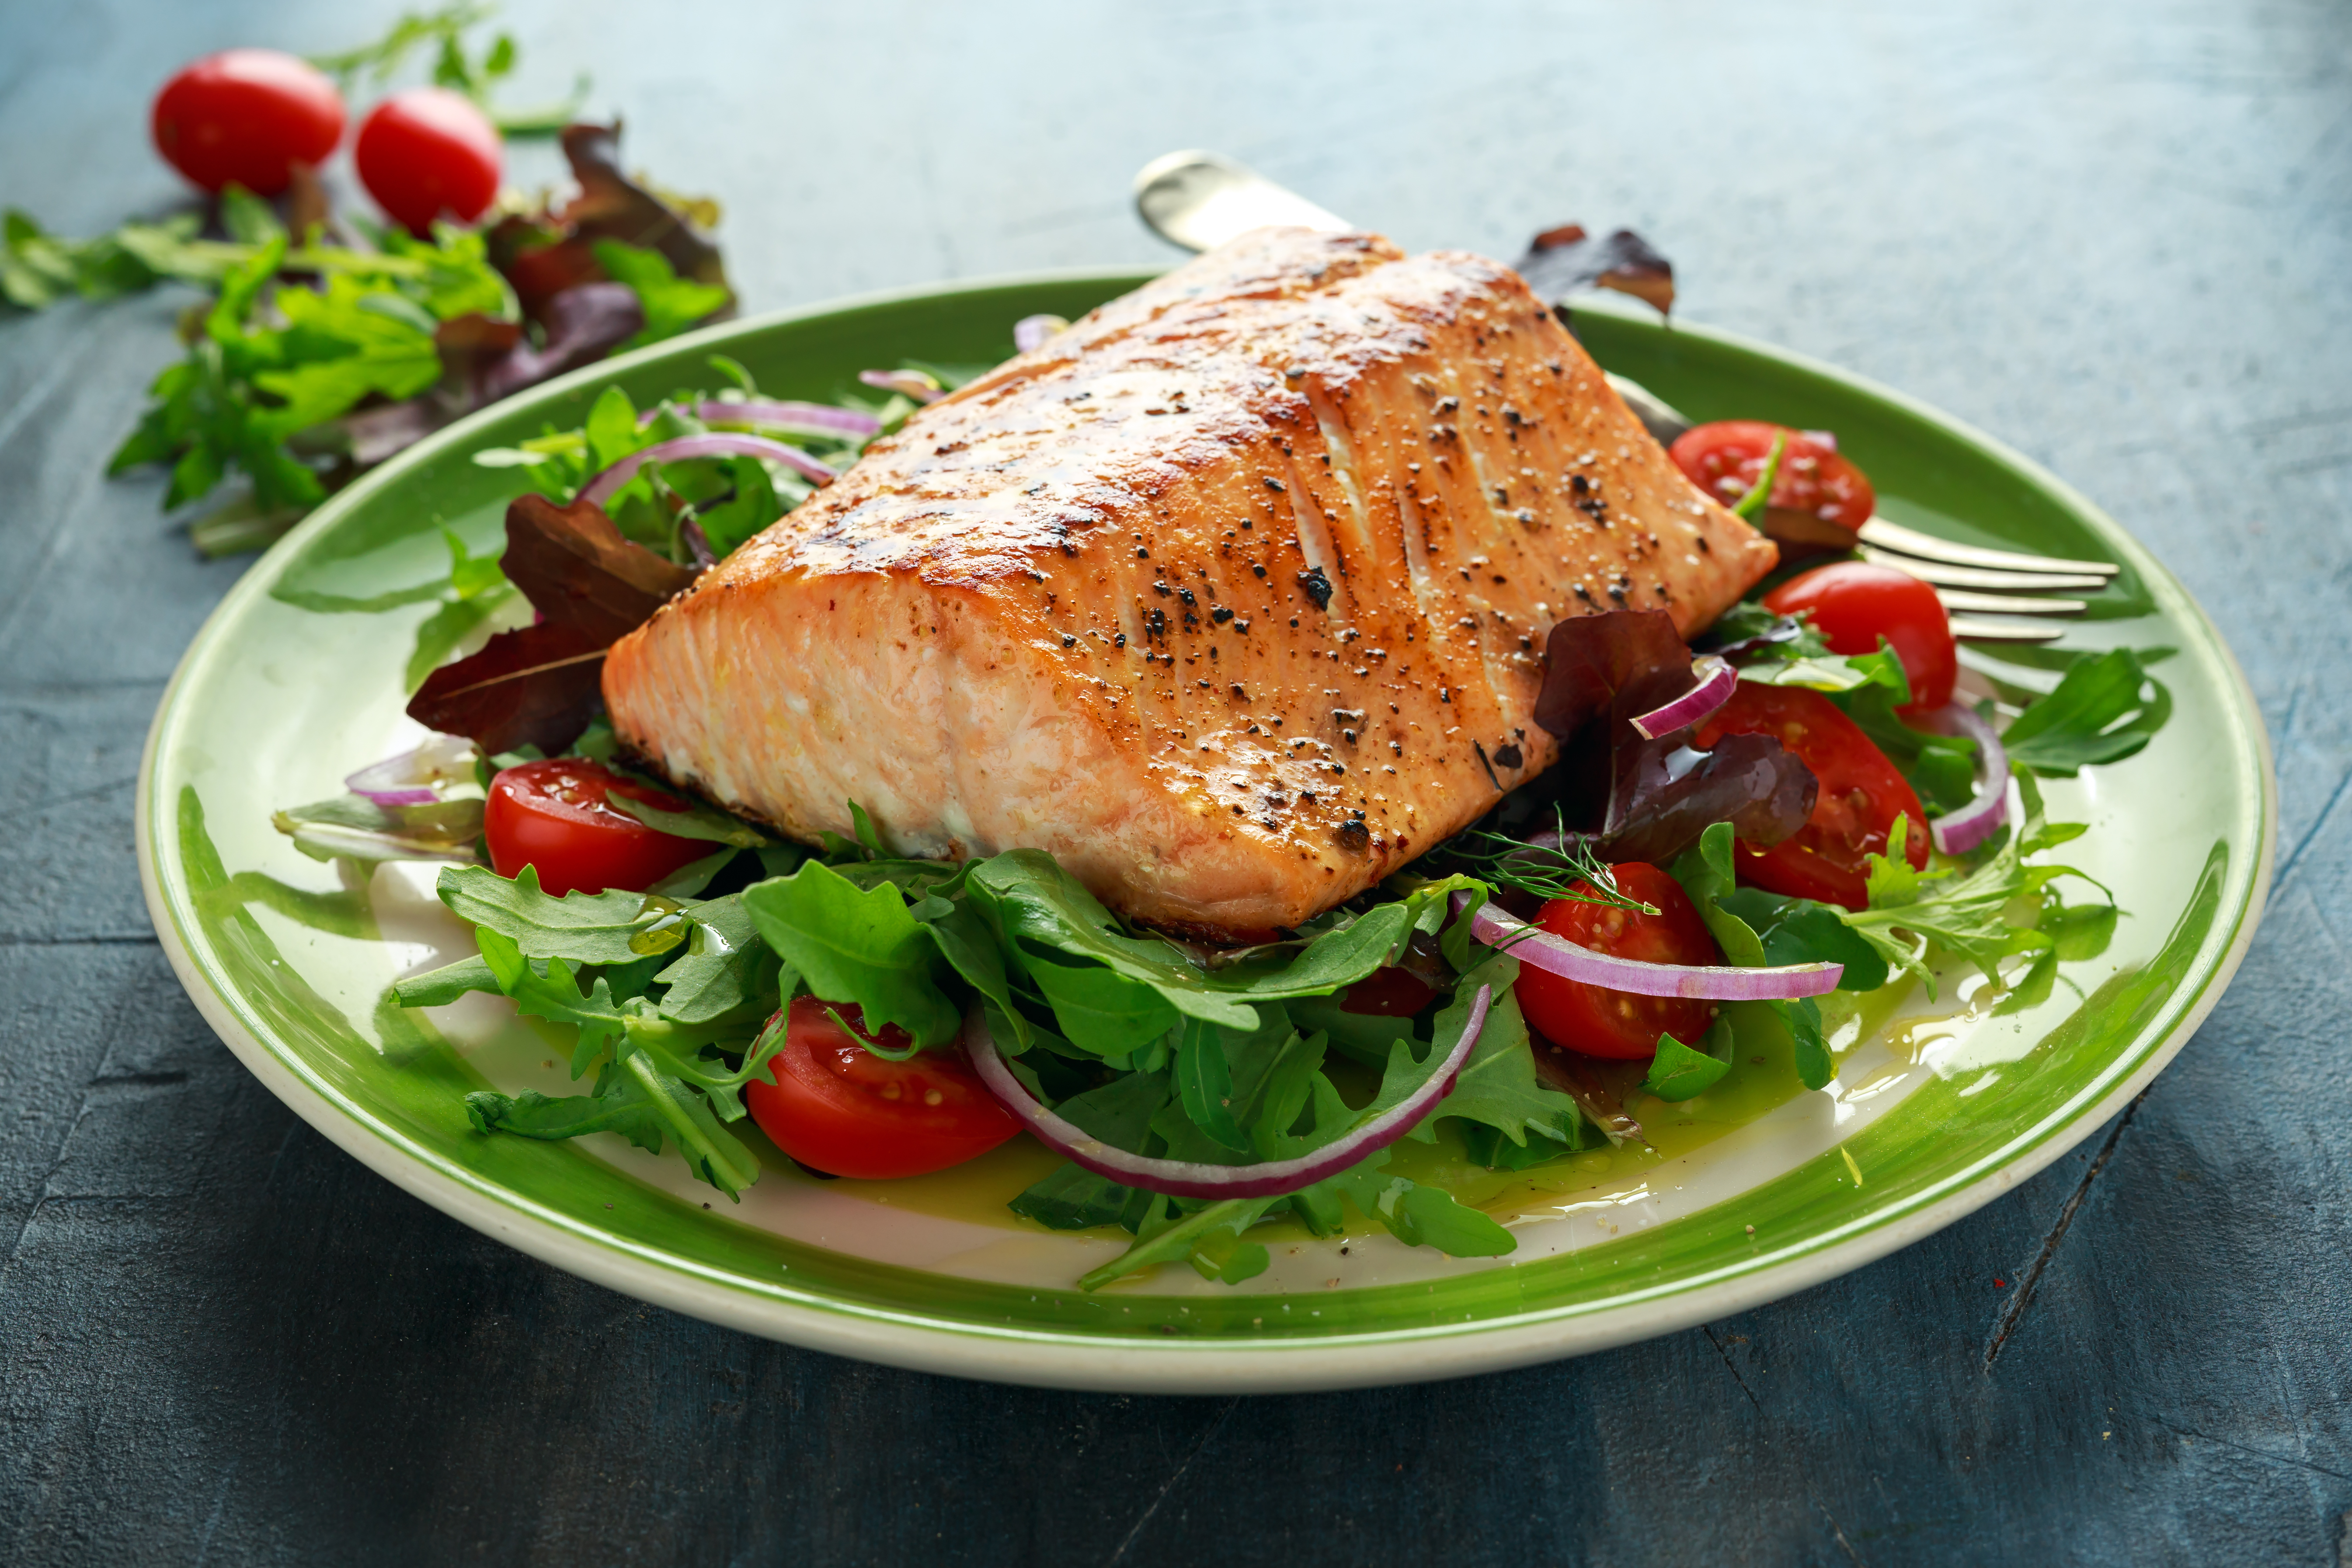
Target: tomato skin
{"points": [[429, 151], [553, 815], [1854, 603], [247, 116], [1861, 795], [833, 1105], [1725, 460], [1618, 1025]]}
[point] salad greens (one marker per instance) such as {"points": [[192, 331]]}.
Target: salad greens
{"points": [[677, 997]]}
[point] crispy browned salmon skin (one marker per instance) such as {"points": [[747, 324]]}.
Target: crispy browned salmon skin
{"points": [[1232, 596]]}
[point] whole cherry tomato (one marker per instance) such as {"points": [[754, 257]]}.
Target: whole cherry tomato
{"points": [[1815, 484], [426, 153], [1861, 795], [247, 116], [556, 814], [832, 1104], [1619, 1025], [1854, 603]]}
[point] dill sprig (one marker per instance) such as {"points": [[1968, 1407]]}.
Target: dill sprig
{"points": [[1566, 869]]}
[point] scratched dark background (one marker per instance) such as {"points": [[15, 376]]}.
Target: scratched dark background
{"points": [[2113, 233]]}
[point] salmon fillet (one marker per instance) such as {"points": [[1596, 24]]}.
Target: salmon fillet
{"points": [[1233, 596]]}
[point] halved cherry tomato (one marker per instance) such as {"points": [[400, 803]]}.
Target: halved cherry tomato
{"points": [[1725, 460], [1389, 992], [836, 1106], [1861, 795], [1854, 603], [554, 814], [247, 116], [1617, 1023], [425, 153]]}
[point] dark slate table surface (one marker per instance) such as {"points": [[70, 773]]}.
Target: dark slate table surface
{"points": [[2111, 233]]}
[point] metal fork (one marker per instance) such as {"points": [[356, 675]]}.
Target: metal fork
{"points": [[1199, 200]]}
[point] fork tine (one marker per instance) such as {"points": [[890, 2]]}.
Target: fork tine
{"points": [[2007, 604], [1969, 629], [1928, 547], [1948, 577]]}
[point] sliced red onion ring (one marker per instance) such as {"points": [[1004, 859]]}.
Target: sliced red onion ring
{"points": [[1031, 331], [1716, 681], [1709, 982], [777, 414], [1187, 1179], [1974, 823], [718, 444], [922, 388], [411, 777]]}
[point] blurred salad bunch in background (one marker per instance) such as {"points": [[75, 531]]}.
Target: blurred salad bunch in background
{"points": [[333, 338]]}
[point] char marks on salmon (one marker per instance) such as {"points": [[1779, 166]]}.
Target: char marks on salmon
{"points": [[1233, 596]]}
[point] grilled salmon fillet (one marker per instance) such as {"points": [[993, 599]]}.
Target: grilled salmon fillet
{"points": [[1233, 596]]}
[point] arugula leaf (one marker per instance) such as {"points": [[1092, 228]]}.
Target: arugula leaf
{"points": [[1802, 1019], [1101, 1010], [2104, 710], [584, 927], [724, 969], [697, 821], [1486, 1146], [1205, 1083], [439, 987], [855, 946], [1679, 1073], [1498, 1086], [672, 304], [624, 1109]]}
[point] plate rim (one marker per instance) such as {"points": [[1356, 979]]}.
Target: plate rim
{"points": [[1345, 1359]]}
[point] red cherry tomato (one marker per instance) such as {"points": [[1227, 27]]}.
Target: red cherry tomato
{"points": [[554, 816], [1390, 992], [1861, 795], [428, 153], [1854, 603], [1617, 1023], [1725, 460], [836, 1106], [247, 116]]}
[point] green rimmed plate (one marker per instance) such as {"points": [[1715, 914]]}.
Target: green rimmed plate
{"points": [[1938, 1106]]}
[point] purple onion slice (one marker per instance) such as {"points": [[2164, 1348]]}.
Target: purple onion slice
{"points": [[414, 777], [1709, 982], [913, 383], [1716, 682], [718, 444], [1974, 823], [779, 413], [1187, 1179]]}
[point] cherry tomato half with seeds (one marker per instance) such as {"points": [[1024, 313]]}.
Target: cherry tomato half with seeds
{"points": [[1861, 795], [1854, 604], [1725, 460], [836, 1106], [247, 117], [427, 153], [557, 815], [1619, 1025]]}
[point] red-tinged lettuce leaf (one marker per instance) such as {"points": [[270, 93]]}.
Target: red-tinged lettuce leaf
{"points": [[1567, 260], [541, 685], [536, 687], [577, 571], [1602, 670], [1588, 659], [542, 258], [1664, 795], [583, 324]]}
